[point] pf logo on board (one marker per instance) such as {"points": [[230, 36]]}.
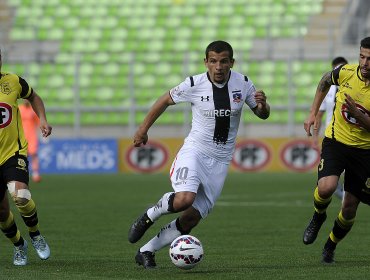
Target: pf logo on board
{"points": [[299, 155], [148, 158], [251, 155]]}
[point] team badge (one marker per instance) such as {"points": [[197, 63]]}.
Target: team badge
{"points": [[5, 88], [368, 183], [237, 96], [22, 164]]}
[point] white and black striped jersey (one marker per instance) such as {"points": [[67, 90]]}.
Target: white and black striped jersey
{"points": [[216, 111]]}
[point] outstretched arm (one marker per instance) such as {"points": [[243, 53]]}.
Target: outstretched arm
{"points": [[39, 108], [141, 135], [262, 110], [321, 91]]}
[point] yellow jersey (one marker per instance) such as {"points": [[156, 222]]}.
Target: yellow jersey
{"points": [[343, 127], [12, 140]]}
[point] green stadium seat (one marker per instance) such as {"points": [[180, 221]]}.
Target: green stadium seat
{"points": [[279, 117], [171, 118], [33, 68], [300, 117], [60, 118], [25, 33], [18, 69]]}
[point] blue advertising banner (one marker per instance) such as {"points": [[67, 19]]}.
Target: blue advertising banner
{"points": [[78, 156]]}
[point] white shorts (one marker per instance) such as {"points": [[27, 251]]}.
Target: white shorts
{"points": [[196, 172]]}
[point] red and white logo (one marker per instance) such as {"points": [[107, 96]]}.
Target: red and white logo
{"points": [[348, 118], [149, 158], [5, 114], [251, 155], [299, 155]]}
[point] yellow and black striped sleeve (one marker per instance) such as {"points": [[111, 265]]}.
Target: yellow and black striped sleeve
{"points": [[26, 89], [335, 75]]}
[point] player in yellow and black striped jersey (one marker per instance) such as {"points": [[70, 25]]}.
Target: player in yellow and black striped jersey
{"points": [[345, 147], [14, 175]]}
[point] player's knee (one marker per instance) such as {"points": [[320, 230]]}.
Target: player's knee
{"points": [[327, 186], [20, 196], [183, 200]]}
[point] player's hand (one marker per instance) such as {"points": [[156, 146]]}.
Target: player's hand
{"points": [[140, 138], [311, 121], [351, 107], [45, 129], [260, 97]]}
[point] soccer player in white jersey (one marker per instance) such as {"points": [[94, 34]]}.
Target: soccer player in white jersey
{"points": [[199, 170], [327, 107]]}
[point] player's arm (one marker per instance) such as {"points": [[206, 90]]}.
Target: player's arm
{"points": [[141, 135], [262, 110], [362, 119], [321, 91], [39, 108], [319, 117]]}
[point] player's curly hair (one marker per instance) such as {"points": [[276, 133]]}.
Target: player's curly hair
{"points": [[365, 43], [220, 46]]}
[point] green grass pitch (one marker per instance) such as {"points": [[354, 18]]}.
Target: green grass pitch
{"points": [[254, 232]]}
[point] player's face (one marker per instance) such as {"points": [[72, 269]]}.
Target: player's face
{"points": [[364, 62], [219, 65]]}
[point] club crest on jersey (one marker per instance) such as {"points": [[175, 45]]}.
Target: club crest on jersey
{"points": [[347, 85], [5, 114], [347, 116], [237, 96], [5, 88], [22, 164]]}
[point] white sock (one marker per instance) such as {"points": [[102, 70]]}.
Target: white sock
{"points": [[167, 234], [161, 208]]}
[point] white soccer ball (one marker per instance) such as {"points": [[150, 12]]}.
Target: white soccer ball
{"points": [[186, 251]]}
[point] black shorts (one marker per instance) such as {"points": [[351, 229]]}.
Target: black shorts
{"points": [[14, 169], [337, 157]]}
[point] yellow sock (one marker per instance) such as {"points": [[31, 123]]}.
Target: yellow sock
{"points": [[10, 229], [29, 215], [321, 204]]}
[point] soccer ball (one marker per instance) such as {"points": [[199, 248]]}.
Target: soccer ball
{"points": [[186, 251]]}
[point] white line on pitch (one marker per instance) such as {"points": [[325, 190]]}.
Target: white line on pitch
{"points": [[296, 203]]}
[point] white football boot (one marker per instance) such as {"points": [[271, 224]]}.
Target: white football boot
{"points": [[20, 254], [41, 247]]}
